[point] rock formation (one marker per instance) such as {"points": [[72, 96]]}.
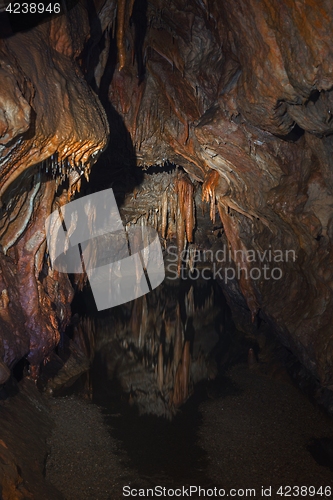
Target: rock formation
{"points": [[236, 93]]}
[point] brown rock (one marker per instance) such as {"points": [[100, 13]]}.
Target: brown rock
{"points": [[4, 373]]}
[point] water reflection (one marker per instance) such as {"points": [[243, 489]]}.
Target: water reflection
{"points": [[157, 348]]}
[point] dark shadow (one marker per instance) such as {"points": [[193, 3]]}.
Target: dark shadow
{"points": [[94, 47], [167, 168], [314, 96], [21, 369], [164, 451], [294, 135], [9, 389], [116, 168], [139, 19], [321, 450]]}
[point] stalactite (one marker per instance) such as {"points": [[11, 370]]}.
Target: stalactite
{"points": [[87, 172], [140, 94], [232, 233], [121, 8], [164, 213], [184, 189], [156, 219], [180, 238], [192, 257], [185, 214], [208, 191]]}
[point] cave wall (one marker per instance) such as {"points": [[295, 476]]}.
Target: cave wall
{"points": [[244, 89], [52, 127], [236, 92]]}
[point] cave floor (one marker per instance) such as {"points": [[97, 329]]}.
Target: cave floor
{"points": [[247, 431]]}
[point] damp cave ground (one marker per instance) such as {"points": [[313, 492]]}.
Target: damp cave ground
{"points": [[244, 430]]}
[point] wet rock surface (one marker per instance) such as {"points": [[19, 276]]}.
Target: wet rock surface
{"points": [[85, 461], [259, 434], [249, 430], [25, 424], [241, 421]]}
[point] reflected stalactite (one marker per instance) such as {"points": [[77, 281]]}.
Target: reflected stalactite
{"points": [[189, 302], [146, 349], [160, 374], [181, 388], [178, 341]]}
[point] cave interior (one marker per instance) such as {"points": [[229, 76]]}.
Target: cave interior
{"points": [[211, 122]]}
